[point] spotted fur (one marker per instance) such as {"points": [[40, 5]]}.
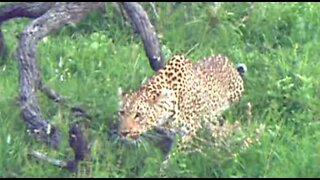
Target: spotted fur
{"points": [[181, 98]]}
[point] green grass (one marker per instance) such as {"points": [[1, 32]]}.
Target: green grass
{"points": [[279, 43]]}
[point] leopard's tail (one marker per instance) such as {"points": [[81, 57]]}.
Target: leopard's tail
{"points": [[242, 68]]}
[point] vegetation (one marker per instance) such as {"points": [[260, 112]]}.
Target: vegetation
{"points": [[87, 62]]}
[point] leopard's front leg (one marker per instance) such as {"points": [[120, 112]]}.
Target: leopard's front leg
{"points": [[167, 140], [184, 145], [185, 132], [184, 142]]}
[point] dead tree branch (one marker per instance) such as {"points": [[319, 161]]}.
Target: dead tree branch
{"points": [[29, 76], [79, 145], [43, 157], [51, 94], [29, 10], [24, 9], [148, 35]]}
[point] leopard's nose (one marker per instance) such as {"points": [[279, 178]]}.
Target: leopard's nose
{"points": [[124, 133]]}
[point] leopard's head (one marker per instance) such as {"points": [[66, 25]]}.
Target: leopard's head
{"points": [[139, 114]]}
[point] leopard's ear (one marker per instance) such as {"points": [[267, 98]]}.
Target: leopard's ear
{"points": [[144, 81], [121, 96], [120, 92]]}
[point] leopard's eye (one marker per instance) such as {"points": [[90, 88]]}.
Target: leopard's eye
{"points": [[121, 113]]}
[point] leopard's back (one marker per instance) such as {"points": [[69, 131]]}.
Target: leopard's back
{"points": [[221, 81]]}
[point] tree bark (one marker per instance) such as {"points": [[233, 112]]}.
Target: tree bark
{"points": [[24, 9], [29, 10], [148, 35], [29, 77]]}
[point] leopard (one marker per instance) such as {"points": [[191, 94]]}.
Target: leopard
{"points": [[180, 99]]}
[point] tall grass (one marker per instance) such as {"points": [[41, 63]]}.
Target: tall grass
{"points": [[279, 43]]}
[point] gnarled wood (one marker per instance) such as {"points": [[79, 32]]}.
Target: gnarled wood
{"points": [[148, 35], [29, 76], [24, 9], [50, 16], [79, 145]]}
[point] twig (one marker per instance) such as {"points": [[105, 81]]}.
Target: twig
{"points": [[153, 7], [192, 48], [52, 94], [43, 157]]}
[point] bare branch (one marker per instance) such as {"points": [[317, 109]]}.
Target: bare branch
{"points": [[29, 77], [149, 37], [52, 94], [77, 142], [29, 10], [43, 157], [24, 9]]}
